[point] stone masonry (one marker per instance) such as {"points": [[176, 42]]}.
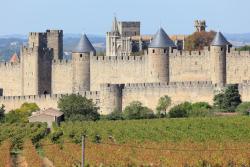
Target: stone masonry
{"points": [[115, 80]]}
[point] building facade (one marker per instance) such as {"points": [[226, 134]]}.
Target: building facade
{"points": [[112, 82]]}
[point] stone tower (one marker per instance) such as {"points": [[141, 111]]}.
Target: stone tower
{"points": [[36, 65], [158, 57], [111, 98], [200, 25], [37, 39], [55, 41], [112, 39], [81, 64], [219, 47]]}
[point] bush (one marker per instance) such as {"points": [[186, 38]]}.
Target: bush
{"points": [[77, 107], [180, 110], [228, 100], [115, 115], [243, 108], [136, 110], [200, 109]]}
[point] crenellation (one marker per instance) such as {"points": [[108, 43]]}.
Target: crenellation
{"points": [[125, 59], [61, 62], [115, 80], [178, 53]]}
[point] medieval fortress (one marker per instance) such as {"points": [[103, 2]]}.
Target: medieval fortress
{"points": [[41, 75]]}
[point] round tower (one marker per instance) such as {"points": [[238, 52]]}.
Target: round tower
{"points": [[218, 48], [81, 64], [111, 98], [158, 57]]}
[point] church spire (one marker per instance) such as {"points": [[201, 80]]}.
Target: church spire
{"points": [[115, 25]]}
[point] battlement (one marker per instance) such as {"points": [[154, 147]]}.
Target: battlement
{"points": [[54, 32], [234, 53], [87, 94], [111, 87], [117, 58], [177, 53], [36, 34], [189, 84], [9, 65], [61, 62]]}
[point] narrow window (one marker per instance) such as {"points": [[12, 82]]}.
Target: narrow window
{"points": [[153, 51], [80, 55]]}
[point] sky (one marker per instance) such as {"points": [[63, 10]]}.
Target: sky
{"points": [[95, 16]]}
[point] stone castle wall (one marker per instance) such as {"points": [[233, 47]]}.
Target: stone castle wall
{"points": [[149, 93], [43, 101], [10, 78], [189, 66], [116, 70], [238, 66], [62, 77]]}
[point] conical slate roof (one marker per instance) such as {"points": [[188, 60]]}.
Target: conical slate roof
{"points": [[161, 40], [84, 45], [220, 40]]}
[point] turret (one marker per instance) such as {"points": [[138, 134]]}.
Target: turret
{"points": [[81, 64], [111, 98], [158, 57], [219, 48]]}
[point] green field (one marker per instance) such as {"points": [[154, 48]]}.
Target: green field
{"points": [[160, 130]]}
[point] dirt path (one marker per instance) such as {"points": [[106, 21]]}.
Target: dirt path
{"points": [[47, 163]]}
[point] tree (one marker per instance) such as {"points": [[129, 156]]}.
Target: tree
{"points": [[135, 110], [198, 40], [200, 109], [163, 103], [21, 114], [180, 110], [228, 100], [17, 116], [77, 107], [2, 110], [29, 107]]}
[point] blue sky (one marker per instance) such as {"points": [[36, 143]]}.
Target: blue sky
{"points": [[95, 16]]}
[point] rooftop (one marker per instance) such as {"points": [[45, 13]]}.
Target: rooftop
{"points": [[220, 40], [161, 40], [84, 45]]}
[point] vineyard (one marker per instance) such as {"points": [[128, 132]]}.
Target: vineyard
{"points": [[213, 141]]}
